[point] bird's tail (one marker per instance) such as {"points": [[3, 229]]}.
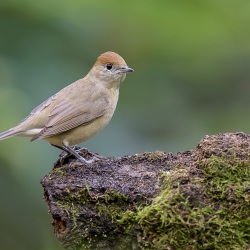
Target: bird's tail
{"points": [[9, 133]]}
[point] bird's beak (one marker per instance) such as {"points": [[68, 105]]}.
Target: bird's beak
{"points": [[125, 70]]}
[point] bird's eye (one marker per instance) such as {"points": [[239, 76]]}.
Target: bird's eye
{"points": [[109, 66]]}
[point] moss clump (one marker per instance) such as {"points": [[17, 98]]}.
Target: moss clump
{"points": [[220, 221], [107, 208]]}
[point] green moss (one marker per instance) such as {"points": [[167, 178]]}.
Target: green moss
{"points": [[110, 204], [214, 216], [112, 196], [227, 180], [57, 172], [222, 221], [108, 208]]}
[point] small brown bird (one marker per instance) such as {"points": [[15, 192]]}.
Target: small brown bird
{"points": [[78, 111]]}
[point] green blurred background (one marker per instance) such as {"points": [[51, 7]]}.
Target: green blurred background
{"points": [[192, 78]]}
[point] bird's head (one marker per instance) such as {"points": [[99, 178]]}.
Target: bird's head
{"points": [[111, 69]]}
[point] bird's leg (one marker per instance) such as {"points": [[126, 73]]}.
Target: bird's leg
{"points": [[71, 151]]}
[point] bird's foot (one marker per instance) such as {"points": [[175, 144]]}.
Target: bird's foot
{"points": [[83, 160], [75, 151]]}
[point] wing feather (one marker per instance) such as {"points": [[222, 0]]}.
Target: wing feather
{"points": [[40, 107], [67, 115]]}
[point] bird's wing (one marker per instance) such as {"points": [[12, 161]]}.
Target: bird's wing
{"points": [[67, 115], [39, 108]]}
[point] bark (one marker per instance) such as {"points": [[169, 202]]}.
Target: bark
{"points": [[197, 199]]}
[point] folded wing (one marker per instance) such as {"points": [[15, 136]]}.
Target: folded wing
{"points": [[67, 115]]}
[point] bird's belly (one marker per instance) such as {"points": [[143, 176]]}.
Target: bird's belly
{"points": [[79, 134]]}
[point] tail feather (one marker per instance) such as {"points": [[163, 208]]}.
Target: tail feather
{"points": [[8, 133]]}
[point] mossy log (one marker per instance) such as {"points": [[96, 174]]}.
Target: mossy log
{"points": [[197, 199]]}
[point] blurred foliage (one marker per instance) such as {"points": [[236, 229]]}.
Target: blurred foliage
{"points": [[192, 78]]}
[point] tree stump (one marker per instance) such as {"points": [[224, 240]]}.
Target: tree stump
{"points": [[197, 199]]}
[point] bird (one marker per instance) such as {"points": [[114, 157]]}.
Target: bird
{"points": [[78, 111]]}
